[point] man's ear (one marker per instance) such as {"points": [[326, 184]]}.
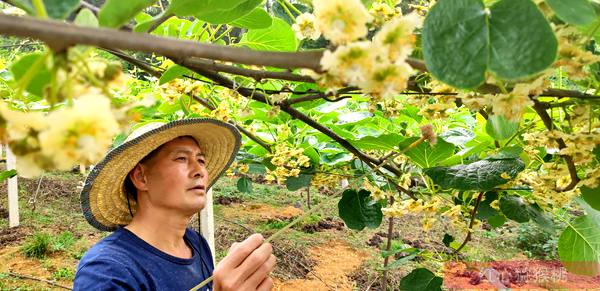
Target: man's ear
{"points": [[138, 178]]}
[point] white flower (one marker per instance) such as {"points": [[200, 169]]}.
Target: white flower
{"points": [[387, 80], [81, 134], [396, 36], [341, 21], [305, 27], [352, 63]]}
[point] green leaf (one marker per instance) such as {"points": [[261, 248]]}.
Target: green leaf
{"points": [[336, 158], [278, 37], [194, 7], [579, 246], [514, 208], [385, 142], [60, 9], [278, 11], [244, 184], [500, 128], [447, 239], [421, 279], [86, 17], [174, 72], [115, 13], [521, 44], [256, 19], [7, 174], [41, 77], [230, 14], [482, 175], [455, 44], [497, 220], [399, 262], [461, 40], [576, 12], [358, 210], [591, 196], [458, 136], [297, 183], [424, 155]]}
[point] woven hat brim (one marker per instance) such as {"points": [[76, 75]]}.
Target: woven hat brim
{"points": [[103, 198]]}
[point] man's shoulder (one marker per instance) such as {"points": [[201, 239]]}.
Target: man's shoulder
{"points": [[110, 248]]}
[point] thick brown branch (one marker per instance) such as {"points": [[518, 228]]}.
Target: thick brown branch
{"points": [[59, 36], [541, 111], [255, 74]]}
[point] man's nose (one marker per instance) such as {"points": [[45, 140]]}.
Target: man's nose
{"points": [[199, 170]]}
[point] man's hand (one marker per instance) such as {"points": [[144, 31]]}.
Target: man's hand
{"points": [[246, 267]]}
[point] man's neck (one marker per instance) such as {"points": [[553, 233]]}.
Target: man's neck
{"points": [[163, 230]]}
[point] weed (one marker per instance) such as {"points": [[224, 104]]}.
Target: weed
{"points": [[37, 246], [63, 241], [64, 274]]}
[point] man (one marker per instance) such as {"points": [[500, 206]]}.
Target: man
{"points": [[146, 191]]}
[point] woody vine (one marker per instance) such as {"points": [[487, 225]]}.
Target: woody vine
{"points": [[465, 111]]}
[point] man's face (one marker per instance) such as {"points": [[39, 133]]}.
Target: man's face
{"points": [[177, 176]]}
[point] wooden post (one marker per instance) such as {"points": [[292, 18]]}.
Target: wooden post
{"points": [[13, 191], [207, 222]]}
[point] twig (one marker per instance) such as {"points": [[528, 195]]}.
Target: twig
{"points": [[387, 248], [159, 21], [38, 279], [254, 74], [473, 213]]}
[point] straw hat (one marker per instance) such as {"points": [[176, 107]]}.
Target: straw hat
{"points": [[103, 198]]}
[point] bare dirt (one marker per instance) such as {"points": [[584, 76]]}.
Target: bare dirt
{"points": [[334, 263]]}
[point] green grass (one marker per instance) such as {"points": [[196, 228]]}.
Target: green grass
{"points": [[37, 246], [64, 274], [63, 241]]}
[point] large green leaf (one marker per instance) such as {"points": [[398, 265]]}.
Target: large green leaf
{"points": [[591, 196], [425, 155], [41, 77], [455, 42], [576, 12], [229, 15], [115, 13], [358, 210], [500, 128], [579, 246], [482, 175], [421, 279], [256, 19], [514, 208], [521, 40], [278, 37], [297, 183], [461, 40], [196, 7]]}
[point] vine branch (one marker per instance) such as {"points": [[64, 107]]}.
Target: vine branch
{"points": [[540, 109], [473, 213]]}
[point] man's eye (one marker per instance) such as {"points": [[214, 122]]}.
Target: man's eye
{"points": [[181, 159], [201, 161]]}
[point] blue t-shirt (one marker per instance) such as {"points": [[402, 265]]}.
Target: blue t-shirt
{"points": [[123, 261]]}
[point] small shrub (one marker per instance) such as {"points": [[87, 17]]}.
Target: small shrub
{"points": [[37, 246], [64, 274], [536, 243]]}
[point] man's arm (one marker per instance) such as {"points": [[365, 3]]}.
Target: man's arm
{"points": [[246, 267]]}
